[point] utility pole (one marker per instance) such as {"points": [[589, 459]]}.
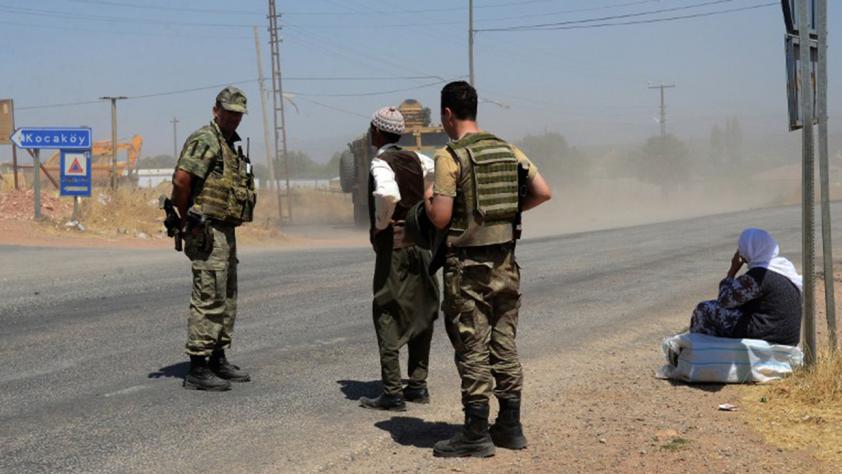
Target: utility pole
{"points": [[270, 161], [278, 100], [663, 120], [821, 103], [114, 100], [807, 184], [471, 42], [174, 122]]}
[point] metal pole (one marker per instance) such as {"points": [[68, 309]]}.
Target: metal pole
{"points": [[808, 185], [821, 113], [471, 42], [75, 217], [278, 99], [15, 164], [663, 118], [270, 162], [174, 123], [36, 181], [113, 100], [113, 143]]}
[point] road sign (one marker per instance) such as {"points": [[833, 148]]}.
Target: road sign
{"points": [[791, 20], [75, 173], [7, 121], [793, 80], [53, 137]]}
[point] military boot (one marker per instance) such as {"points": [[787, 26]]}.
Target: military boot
{"points": [[507, 431], [384, 402], [226, 370], [200, 377], [416, 395], [472, 440]]}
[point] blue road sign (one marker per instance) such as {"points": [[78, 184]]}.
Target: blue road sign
{"points": [[57, 137], [75, 175]]}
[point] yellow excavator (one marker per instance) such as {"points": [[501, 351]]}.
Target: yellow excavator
{"points": [[101, 161]]}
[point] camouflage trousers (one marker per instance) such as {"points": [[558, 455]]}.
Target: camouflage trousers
{"points": [[213, 303], [481, 302]]}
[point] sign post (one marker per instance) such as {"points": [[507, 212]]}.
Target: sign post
{"points": [[34, 139], [7, 127]]}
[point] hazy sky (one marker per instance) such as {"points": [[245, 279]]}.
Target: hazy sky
{"points": [[590, 84]]}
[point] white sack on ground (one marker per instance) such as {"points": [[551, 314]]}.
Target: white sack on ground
{"points": [[695, 357]]}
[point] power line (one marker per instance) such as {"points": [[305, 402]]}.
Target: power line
{"points": [[411, 12], [110, 19], [121, 33], [337, 109], [635, 22], [369, 94], [168, 8], [617, 17]]}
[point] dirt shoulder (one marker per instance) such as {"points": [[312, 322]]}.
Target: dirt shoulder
{"points": [[599, 408]]}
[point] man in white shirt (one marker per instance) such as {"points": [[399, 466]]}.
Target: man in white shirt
{"points": [[406, 296]]}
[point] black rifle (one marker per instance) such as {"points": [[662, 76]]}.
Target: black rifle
{"points": [[172, 221], [522, 180]]}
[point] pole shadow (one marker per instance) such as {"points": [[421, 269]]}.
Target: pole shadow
{"points": [[356, 389], [409, 431], [177, 371]]}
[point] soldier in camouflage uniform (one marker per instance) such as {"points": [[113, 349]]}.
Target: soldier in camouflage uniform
{"points": [[476, 204], [213, 190]]}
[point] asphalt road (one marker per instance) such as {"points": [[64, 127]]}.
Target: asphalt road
{"points": [[91, 344]]}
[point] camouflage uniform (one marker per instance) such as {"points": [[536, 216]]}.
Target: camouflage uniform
{"points": [[481, 284], [208, 156]]}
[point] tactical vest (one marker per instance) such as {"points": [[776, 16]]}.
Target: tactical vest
{"points": [[228, 196], [486, 203], [410, 178]]}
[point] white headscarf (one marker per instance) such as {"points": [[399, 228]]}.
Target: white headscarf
{"points": [[760, 250]]}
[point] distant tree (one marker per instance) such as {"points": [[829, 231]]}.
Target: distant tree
{"points": [[717, 145], [301, 166], [663, 161], [156, 162], [558, 161], [734, 140]]}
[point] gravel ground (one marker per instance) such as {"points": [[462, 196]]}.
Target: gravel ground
{"points": [[92, 348]]}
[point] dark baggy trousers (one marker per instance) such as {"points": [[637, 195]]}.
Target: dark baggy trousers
{"points": [[404, 307]]}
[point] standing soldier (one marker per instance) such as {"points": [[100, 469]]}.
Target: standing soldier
{"points": [[476, 202], [406, 296], [213, 190]]}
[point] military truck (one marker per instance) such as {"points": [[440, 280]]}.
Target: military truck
{"points": [[420, 136]]}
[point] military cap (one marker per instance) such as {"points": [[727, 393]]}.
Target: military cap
{"points": [[232, 99]]}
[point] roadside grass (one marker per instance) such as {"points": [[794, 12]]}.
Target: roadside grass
{"points": [[7, 182], [804, 411], [134, 211], [309, 206], [129, 211], [676, 444]]}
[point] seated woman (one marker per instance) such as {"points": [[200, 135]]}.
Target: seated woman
{"points": [[763, 303]]}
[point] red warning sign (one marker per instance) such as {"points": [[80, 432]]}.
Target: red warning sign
{"points": [[75, 167]]}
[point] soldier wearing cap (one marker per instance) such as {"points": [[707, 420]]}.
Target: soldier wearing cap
{"points": [[476, 202], [213, 190], [406, 296]]}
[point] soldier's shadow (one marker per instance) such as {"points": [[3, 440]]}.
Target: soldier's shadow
{"points": [[178, 371], [409, 431], [355, 389]]}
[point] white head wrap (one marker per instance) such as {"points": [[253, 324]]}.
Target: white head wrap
{"points": [[760, 250], [388, 119]]}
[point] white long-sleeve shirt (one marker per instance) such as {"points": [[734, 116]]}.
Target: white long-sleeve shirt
{"points": [[386, 193]]}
